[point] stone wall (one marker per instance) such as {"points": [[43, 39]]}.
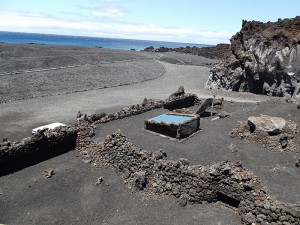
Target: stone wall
{"points": [[39, 147], [227, 182], [177, 100]]}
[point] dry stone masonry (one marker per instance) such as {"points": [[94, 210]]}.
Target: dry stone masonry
{"points": [[154, 175], [227, 182], [177, 100], [43, 145]]}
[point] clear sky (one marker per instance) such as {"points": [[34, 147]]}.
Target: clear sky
{"points": [[193, 21]]}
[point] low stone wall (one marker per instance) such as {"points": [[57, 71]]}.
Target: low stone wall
{"points": [[230, 183], [147, 105], [43, 145], [180, 101]]}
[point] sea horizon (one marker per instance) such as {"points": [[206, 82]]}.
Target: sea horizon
{"points": [[85, 41]]}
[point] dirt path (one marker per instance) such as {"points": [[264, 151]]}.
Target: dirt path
{"points": [[19, 117]]}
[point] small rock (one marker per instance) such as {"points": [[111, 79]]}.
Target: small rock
{"points": [[48, 173], [284, 141], [223, 114], [168, 186], [286, 223], [140, 179], [182, 201], [214, 172], [79, 114], [298, 105], [159, 154], [298, 163], [295, 212], [232, 148], [99, 181], [261, 217], [1, 192], [86, 159], [154, 185], [4, 148], [249, 218], [126, 173], [184, 161], [267, 205], [276, 169]]}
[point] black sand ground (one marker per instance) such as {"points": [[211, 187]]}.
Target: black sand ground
{"points": [[71, 197]]}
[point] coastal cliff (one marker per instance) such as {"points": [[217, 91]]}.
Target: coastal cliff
{"points": [[264, 58]]}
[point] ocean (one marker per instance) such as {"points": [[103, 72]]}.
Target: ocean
{"points": [[113, 43]]}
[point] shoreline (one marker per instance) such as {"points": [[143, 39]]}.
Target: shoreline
{"points": [[86, 41]]}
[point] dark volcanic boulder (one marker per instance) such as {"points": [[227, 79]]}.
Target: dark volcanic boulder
{"points": [[264, 59]]}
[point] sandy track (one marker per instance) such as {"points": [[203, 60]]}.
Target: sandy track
{"points": [[19, 117]]}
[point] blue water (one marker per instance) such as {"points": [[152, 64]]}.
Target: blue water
{"points": [[113, 43], [167, 118]]}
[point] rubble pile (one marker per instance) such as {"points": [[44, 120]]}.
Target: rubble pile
{"points": [[227, 182], [269, 132]]}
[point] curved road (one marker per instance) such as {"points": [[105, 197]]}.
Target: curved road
{"points": [[19, 117]]}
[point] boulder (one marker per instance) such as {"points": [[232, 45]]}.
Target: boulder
{"points": [[271, 125], [177, 93]]}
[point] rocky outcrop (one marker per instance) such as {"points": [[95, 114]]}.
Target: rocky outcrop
{"points": [[264, 59], [215, 52]]}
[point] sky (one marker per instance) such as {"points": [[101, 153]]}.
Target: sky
{"points": [[188, 21]]}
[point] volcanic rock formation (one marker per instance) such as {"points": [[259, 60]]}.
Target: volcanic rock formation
{"points": [[264, 59], [213, 52]]}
